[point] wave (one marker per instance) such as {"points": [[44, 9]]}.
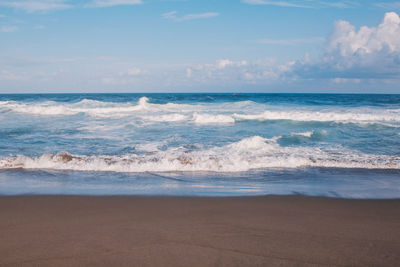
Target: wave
{"points": [[214, 113], [305, 134], [166, 118], [92, 108], [346, 116], [212, 119], [250, 153]]}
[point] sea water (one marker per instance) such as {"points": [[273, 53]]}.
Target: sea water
{"points": [[200, 144]]}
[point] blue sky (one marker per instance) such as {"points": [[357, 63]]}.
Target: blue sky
{"points": [[199, 46]]}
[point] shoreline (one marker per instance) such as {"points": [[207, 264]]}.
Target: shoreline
{"points": [[200, 196], [200, 231]]}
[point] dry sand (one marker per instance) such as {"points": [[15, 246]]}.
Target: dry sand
{"points": [[173, 231]]}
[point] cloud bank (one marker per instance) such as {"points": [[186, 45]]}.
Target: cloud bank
{"points": [[348, 55]]}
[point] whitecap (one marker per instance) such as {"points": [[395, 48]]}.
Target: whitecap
{"points": [[249, 153], [212, 119]]}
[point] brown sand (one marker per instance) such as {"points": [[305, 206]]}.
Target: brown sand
{"points": [[140, 231]]}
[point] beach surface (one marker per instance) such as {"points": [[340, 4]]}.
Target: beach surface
{"points": [[190, 231]]}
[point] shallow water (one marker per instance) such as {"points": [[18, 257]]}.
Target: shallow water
{"points": [[200, 144]]}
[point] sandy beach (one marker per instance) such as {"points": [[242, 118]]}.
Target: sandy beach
{"points": [[181, 231]]}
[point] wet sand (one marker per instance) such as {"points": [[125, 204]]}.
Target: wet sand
{"points": [[185, 231]]}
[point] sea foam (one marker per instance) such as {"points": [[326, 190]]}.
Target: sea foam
{"points": [[249, 153], [203, 113]]}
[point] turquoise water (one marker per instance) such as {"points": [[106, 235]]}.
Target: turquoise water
{"points": [[200, 144]]}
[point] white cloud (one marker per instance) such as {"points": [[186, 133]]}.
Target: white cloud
{"points": [[345, 80], [189, 72], [133, 72], [303, 3], [127, 77], [347, 41], [274, 3], [350, 56], [388, 5], [199, 16], [47, 5], [367, 53], [223, 63], [39, 27], [229, 72], [7, 75], [36, 5], [9, 28], [110, 3], [341, 4], [293, 41], [169, 15], [173, 15], [34, 61]]}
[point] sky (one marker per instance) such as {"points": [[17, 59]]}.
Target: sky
{"points": [[300, 46]]}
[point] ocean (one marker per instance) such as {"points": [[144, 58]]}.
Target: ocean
{"points": [[200, 144]]}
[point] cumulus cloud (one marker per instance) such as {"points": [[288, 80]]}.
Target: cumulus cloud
{"points": [[366, 53], [173, 15], [36, 5], [110, 3], [349, 55]]}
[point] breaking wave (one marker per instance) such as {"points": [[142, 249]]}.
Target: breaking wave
{"points": [[346, 116], [227, 113], [250, 153]]}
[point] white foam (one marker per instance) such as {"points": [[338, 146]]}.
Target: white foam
{"points": [[149, 147], [196, 118], [44, 108], [90, 107], [206, 113], [212, 119], [174, 117], [305, 134], [346, 116], [250, 153]]}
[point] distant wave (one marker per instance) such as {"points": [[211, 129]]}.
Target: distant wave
{"points": [[92, 108], [249, 153], [346, 116], [214, 113]]}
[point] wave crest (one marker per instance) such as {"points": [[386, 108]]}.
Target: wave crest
{"points": [[250, 153], [347, 116], [214, 113]]}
